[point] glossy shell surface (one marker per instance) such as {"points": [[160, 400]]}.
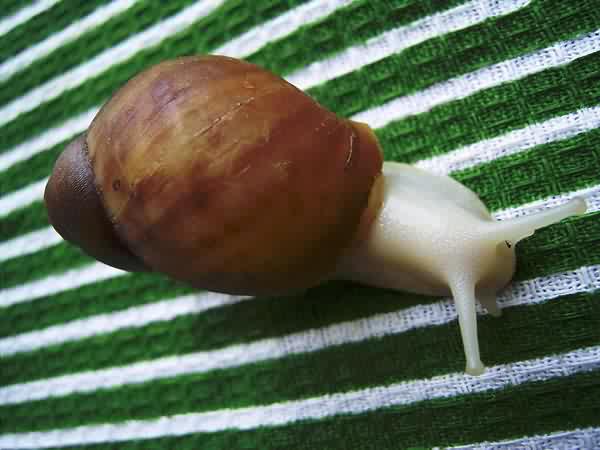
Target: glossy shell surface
{"points": [[222, 174]]}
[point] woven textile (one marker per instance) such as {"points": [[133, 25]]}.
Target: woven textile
{"points": [[503, 95]]}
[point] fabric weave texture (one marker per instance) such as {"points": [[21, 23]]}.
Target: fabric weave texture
{"points": [[502, 95]]}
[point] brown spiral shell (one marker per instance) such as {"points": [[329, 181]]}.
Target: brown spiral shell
{"points": [[221, 174]]}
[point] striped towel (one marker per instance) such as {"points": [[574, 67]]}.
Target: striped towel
{"points": [[503, 95]]}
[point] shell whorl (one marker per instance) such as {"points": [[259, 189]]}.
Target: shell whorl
{"points": [[75, 210]]}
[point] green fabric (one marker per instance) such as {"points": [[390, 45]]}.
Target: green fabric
{"points": [[226, 325], [45, 24], [251, 385], [35, 168], [227, 22], [456, 53], [534, 408], [541, 325], [24, 220], [10, 7], [116, 294]]}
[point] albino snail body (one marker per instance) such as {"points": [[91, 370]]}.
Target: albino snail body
{"points": [[434, 236], [221, 174]]}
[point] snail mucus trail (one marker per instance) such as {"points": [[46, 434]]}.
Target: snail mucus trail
{"points": [[221, 174]]}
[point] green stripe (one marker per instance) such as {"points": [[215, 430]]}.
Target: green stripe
{"points": [[352, 19], [524, 332], [529, 409], [505, 182], [520, 334], [39, 27], [353, 16], [483, 115], [542, 95], [134, 20], [348, 26], [364, 83], [558, 248], [9, 7], [414, 427], [435, 60], [225, 23], [35, 168], [549, 251], [98, 298], [571, 164], [52, 260], [541, 172], [427, 134], [249, 320], [566, 246], [23, 220]]}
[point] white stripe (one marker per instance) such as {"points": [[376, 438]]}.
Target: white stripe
{"points": [[587, 438], [33, 242], [317, 408], [29, 243], [47, 140], [55, 284], [586, 120], [80, 123], [380, 116], [522, 293], [248, 43], [554, 129], [551, 130], [105, 60], [239, 47], [72, 279], [133, 317], [398, 39], [462, 86], [151, 37], [54, 41], [22, 197], [24, 14], [537, 290], [281, 26]]}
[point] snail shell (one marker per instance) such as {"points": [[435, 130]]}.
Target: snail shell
{"points": [[218, 173]]}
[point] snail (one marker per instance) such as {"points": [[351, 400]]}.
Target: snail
{"points": [[223, 175]]}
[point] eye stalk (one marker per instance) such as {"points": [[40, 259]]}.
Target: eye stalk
{"points": [[514, 230]]}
